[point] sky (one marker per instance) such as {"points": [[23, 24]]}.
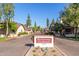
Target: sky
{"points": [[39, 12]]}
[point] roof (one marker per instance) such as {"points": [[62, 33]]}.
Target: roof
{"points": [[27, 28], [18, 25], [24, 26]]}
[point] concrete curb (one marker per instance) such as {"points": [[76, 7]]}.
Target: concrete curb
{"points": [[64, 54], [28, 52]]}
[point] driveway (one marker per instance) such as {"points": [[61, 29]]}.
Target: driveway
{"points": [[69, 47], [15, 46]]}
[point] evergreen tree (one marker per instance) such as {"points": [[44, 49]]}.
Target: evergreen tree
{"points": [[47, 22], [28, 21], [51, 28]]}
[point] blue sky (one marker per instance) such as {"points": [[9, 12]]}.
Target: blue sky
{"points": [[38, 12]]}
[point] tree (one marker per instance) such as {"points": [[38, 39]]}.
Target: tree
{"points": [[75, 16], [39, 28], [70, 16], [0, 11], [66, 16], [56, 26], [51, 28], [47, 22], [13, 27], [35, 27], [28, 21], [8, 11]]}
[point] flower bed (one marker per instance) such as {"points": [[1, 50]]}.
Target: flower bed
{"points": [[43, 52]]}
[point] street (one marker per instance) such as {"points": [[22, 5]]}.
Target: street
{"points": [[15, 46], [69, 47]]}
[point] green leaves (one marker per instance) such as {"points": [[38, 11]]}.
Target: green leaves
{"points": [[71, 15], [35, 27], [1, 26], [52, 25], [0, 10], [47, 22], [8, 10], [0, 14], [28, 21], [13, 26]]}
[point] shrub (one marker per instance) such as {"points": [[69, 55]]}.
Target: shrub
{"points": [[22, 33], [13, 26]]}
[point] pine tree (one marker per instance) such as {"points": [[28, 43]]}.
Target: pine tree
{"points": [[28, 21]]}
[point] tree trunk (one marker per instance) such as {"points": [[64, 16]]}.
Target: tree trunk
{"points": [[76, 33], [6, 27]]}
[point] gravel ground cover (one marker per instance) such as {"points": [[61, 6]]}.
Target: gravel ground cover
{"points": [[37, 51]]}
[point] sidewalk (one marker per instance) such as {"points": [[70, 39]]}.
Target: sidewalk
{"points": [[18, 36]]}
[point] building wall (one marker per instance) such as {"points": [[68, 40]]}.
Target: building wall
{"points": [[20, 29]]}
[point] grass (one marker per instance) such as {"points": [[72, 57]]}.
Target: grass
{"points": [[70, 37], [73, 38], [2, 39]]}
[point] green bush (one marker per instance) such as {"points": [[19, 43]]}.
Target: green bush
{"points": [[13, 26], [22, 33]]}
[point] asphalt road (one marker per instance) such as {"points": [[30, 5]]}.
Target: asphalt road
{"points": [[15, 46], [69, 47]]}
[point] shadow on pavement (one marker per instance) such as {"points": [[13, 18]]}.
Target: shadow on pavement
{"points": [[29, 44]]}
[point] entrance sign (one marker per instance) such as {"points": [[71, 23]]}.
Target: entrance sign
{"points": [[43, 41]]}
